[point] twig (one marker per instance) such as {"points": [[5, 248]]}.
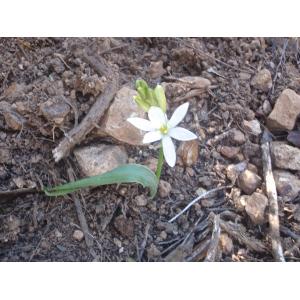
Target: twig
{"points": [[80, 214], [77, 134], [143, 245], [202, 196], [215, 236], [273, 203], [217, 138], [113, 49], [190, 94], [199, 252], [8, 195]]}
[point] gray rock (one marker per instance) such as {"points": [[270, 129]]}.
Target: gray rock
{"points": [[95, 160], [285, 156], [252, 127]]}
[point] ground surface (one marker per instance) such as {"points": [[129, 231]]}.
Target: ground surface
{"points": [[34, 227]]}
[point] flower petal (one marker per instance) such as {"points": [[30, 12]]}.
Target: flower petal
{"points": [[157, 117], [181, 134], [141, 124], [178, 115], [152, 136], [169, 151]]}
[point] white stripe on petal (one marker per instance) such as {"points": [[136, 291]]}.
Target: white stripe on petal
{"points": [[169, 151], [141, 124], [157, 117], [181, 134], [152, 136], [178, 115]]}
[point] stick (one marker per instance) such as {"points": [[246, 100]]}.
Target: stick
{"points": [[80, 214], [204, 195], [77, 134], [273, 203], [215, 236]]}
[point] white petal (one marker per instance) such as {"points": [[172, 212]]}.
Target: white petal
{"points": [[169, 151], [157, 117], [178, 115], [152, 136], [181, 134], [141, 124]]}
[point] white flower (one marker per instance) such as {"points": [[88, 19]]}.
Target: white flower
{"points": [[160, 128]]}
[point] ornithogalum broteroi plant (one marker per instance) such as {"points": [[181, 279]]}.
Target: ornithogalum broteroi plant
{"points": [[158, 129]]}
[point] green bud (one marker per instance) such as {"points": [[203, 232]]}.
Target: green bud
{"points": [[145, 106], [160, 97]]}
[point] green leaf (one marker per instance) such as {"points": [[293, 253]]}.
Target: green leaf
{"points": [[130, 173]]}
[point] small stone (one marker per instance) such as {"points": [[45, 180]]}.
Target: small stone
{"points": [[92, 85], [294, 138], [156, 69], [13, 224], [57, 65], [151, 163], [252, 127], [189, 152], [255, 207], [55, 110], [153, 252], [5, 156], [266, 107], [229, 152], [226, 243], [78, 235], [14, 120], [240, 202], [164, 188], [208, 202], [141, 200], [124, 226], [58, 234], [95, 160], [244, 76], [285, 156], [249, 181], [233, 171], [287, 184], [262, 80], [115, 123], [200, 191], [285, 111], [45, 245], [237, 137], [117, 242], [163, 235], [19, 182]]}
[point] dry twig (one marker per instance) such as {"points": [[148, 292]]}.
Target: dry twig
{"points": [[273, 202], [215, 236]]}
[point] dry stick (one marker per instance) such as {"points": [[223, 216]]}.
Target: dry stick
{"points": [[215, 236], [273, 203], [77, 134], [204, 195], [80, 214]]}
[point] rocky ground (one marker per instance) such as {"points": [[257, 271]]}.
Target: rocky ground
{"points": [[244, 96]]}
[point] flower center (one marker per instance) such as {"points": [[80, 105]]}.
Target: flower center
{"points": [[164, 129]]}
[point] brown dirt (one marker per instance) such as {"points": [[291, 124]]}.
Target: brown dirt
{"points": [[34, 227]]}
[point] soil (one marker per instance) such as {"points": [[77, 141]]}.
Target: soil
{"points": [[34, 227]]}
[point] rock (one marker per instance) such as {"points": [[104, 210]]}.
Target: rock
{"points": [[226, 244], [200, 191], [255, 207], [95, 160], [5, 156], [92, 85], [229, 152], [78, 235], [233, 171], [14, 120], [287, 184], [141, 200], [55, 110], [58, 234], [285, 156], [156, 69], [266, 107], [294, 138], [251, 150], [237, 137], [285, 111], [240, 202], [124, 226], [262, 80], [189, 152], [115, 123], [248, 181], [151, 163], [164, 188], [153, 252], [252, 127]]}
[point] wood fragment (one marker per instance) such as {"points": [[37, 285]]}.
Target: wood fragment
{"points": [[78, 133], [200, 251], [80, 214], [215, 237], [239, 233], [9, 195], [273, 203]]}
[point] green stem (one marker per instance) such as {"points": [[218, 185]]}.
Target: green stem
{"points": [[160, 163]]}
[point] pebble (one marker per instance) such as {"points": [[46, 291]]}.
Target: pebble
{"points": [[124, 226], [252, 127], [248, 181], [78, 235], [226, 244], [141, 200], [229, 152], [262, 80], [255, 207], [189, 152], [237, 137], [164, 188], [156, 69]]}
